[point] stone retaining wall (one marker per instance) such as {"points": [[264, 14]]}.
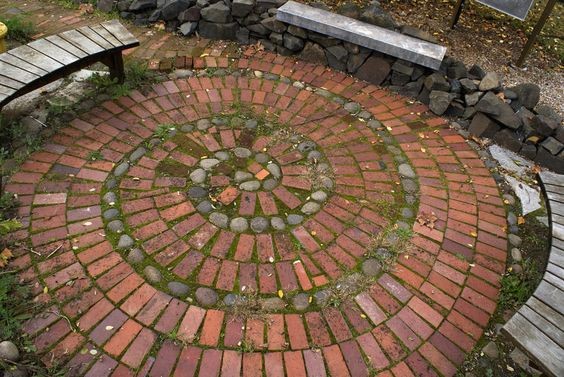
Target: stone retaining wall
{"points": [[479, 102]]}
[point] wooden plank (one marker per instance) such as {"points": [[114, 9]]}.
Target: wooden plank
{"points": [[550, 295], [539, 346], [80, 41], [558, 231], [557, 197], [553, 188], [553, 332], [546, 311], [552, 178], [17, 73], [36, 58], [53, 51], [60, 42], [556, 218], [556, 256], [106, 35], [119, 32], [95, 37], [555, 280], [10, 83], [558, 243], [557, 208], [23, 65], [5, 91]]}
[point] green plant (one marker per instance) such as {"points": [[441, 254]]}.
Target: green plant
{"points": [[517, 287], [163, 130], [13, 309], [8, 205], [136, 75], [19, 29], [95, 155]]}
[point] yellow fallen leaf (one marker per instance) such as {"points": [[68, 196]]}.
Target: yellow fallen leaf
{"points": [[45, 289], [520, 220], [280, 293]]}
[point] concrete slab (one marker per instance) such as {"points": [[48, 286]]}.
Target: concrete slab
{"points": [[361, 33]]}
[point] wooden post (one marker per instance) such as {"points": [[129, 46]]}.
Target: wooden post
{"points": [[536, 31], [115, 62], [457, 11]]}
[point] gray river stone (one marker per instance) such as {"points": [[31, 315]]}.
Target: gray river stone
{"points": [[250, 186], [198, 176], [239, 224], [219, 219]]}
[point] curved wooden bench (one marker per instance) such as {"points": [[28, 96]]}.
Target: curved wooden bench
{"points": [[538, 326], [42, 61]]}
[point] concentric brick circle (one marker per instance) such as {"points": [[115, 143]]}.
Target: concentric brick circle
{"points": [[138, 274]]}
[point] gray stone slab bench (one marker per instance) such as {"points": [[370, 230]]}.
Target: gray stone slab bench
{"points": [[538, 326], [45, 60], [361, 33]]}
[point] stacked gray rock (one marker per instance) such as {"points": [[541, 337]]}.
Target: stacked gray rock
{"points": [[509, 116]]}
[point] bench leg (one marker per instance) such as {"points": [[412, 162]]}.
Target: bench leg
{"points": [[457, 11], [115, 63]]}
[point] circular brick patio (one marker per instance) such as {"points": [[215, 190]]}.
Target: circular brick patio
{"points": [[217, 192]]}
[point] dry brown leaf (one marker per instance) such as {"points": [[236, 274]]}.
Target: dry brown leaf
{"points": [[5, 256], [427, 219], [520, 220]]}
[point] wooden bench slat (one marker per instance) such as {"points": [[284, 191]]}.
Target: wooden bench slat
{"points": [[53, 51], [553, 332], [5, 91], [95, 37], [16, 73], [552, 178], [554, 280], [23, 65], [10, 83], [557, 231], [60, 42], [556, 256], [549, 294], [539, 346], [35, 57], [555, 196], [553, 188], [546, 311], [119, 32], [106, 35], [557, 243], [80, 41]]}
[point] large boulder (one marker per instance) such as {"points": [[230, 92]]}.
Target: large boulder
{"points": [[375, 15], [105, 5], [436, 81], [241, 8], [172, 9], [141, 5], [337, 57], [545, 158], [439, 101], [213, 30], [528, 95], [292, 42], [272, 24], [508, 139], [374, 70], [191, 14], [499, 110], [544, 126], [483, 126], [313, 53], [489, 82], [218, 13]]}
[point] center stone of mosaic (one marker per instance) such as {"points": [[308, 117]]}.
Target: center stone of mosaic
{"points": [[248, 182]]}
